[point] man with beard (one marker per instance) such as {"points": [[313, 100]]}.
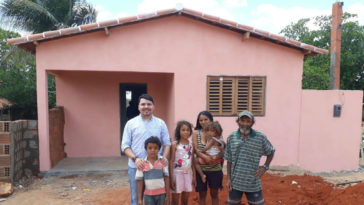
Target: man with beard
{"points": [[136, 131], [243, 151]]}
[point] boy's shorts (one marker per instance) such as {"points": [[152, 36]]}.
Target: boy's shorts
{"points": [[155, 200], [213, 179]]}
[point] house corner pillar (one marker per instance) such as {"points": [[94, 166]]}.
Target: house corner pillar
{"points": [[43, 120]]}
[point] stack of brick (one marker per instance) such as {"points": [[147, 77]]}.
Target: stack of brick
{"points": [[19, 151], [19, 154], [31, 150], [56, 129], [5, 140]]}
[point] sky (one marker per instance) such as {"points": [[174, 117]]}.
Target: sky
{"points": [[268, 15]]}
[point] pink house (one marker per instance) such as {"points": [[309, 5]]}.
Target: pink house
{"points": [[189, 62]]}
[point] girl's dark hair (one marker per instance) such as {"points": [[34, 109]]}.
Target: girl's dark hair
{"points": [[207, 114], [177, 133], [152, 140], [214, 126]]}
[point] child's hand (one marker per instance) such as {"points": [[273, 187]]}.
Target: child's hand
{"points": [[140, 202], [194, 181], [210, 142], [166, 202], [173, 184], [209, 160]]}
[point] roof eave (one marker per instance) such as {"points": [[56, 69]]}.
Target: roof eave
{"points": [[29, 43]]}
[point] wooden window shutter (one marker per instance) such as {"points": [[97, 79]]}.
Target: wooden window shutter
{"points": [[231, 95], [227, 92], [257, 95], [220, 95], [213, 95], [243, 88]]}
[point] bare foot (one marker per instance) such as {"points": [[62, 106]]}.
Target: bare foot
{"points": [[203, 178]]}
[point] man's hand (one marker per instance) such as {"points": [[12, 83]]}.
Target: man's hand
{"points": [[228, 184], [164, 161], [259, 173], [139, 163]]}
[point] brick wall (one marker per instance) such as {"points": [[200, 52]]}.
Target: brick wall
{"points": [[24, 149], [19, 152], [18, 149]]}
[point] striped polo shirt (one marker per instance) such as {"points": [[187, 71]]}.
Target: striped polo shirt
{"points": [[245, 154], [153, 175]]}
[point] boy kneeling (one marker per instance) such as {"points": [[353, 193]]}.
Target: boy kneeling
{"points": [[154, 175]]}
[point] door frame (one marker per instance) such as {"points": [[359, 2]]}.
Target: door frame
{"points": [[123, 87]]}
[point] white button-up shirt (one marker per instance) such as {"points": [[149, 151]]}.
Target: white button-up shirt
{"points": [[137, 130]]}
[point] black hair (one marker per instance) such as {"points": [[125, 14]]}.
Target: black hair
{"points": [[152, 140], [147, 97], [215, 126], [207, 114], [177, 133]]}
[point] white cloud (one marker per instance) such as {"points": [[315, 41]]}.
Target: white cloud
{"points": [[212, 7], [357, 8], [121, 14], [267, 17], [273, 19], [103, 14], [235, 3]]}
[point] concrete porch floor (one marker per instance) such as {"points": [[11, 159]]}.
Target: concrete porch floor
{"points": [[87, 165]]}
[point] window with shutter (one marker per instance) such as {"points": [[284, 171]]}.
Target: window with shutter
{"points": [[243, 93], [257, 95], [227, 96], [213, 95]]}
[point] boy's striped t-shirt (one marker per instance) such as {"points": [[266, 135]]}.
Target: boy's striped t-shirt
{"points": [[153, 176]]}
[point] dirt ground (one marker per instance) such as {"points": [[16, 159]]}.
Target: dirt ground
{"points": [[281, 186]]}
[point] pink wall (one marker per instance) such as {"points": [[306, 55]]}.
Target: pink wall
{"points": [[188, 51], [330, 143], [92, 109]]}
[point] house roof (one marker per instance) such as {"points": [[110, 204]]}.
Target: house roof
{"points": [[29, 42], [4, 103]]}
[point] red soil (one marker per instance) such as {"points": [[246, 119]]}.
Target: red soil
{"points": [[276, 190]]}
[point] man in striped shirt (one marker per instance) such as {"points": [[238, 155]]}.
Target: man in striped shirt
{"points": [[243, 151]]}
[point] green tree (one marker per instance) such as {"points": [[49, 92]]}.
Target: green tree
{"points": [[17, 78], [37, 16], [17, 67], [317, 69]]}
